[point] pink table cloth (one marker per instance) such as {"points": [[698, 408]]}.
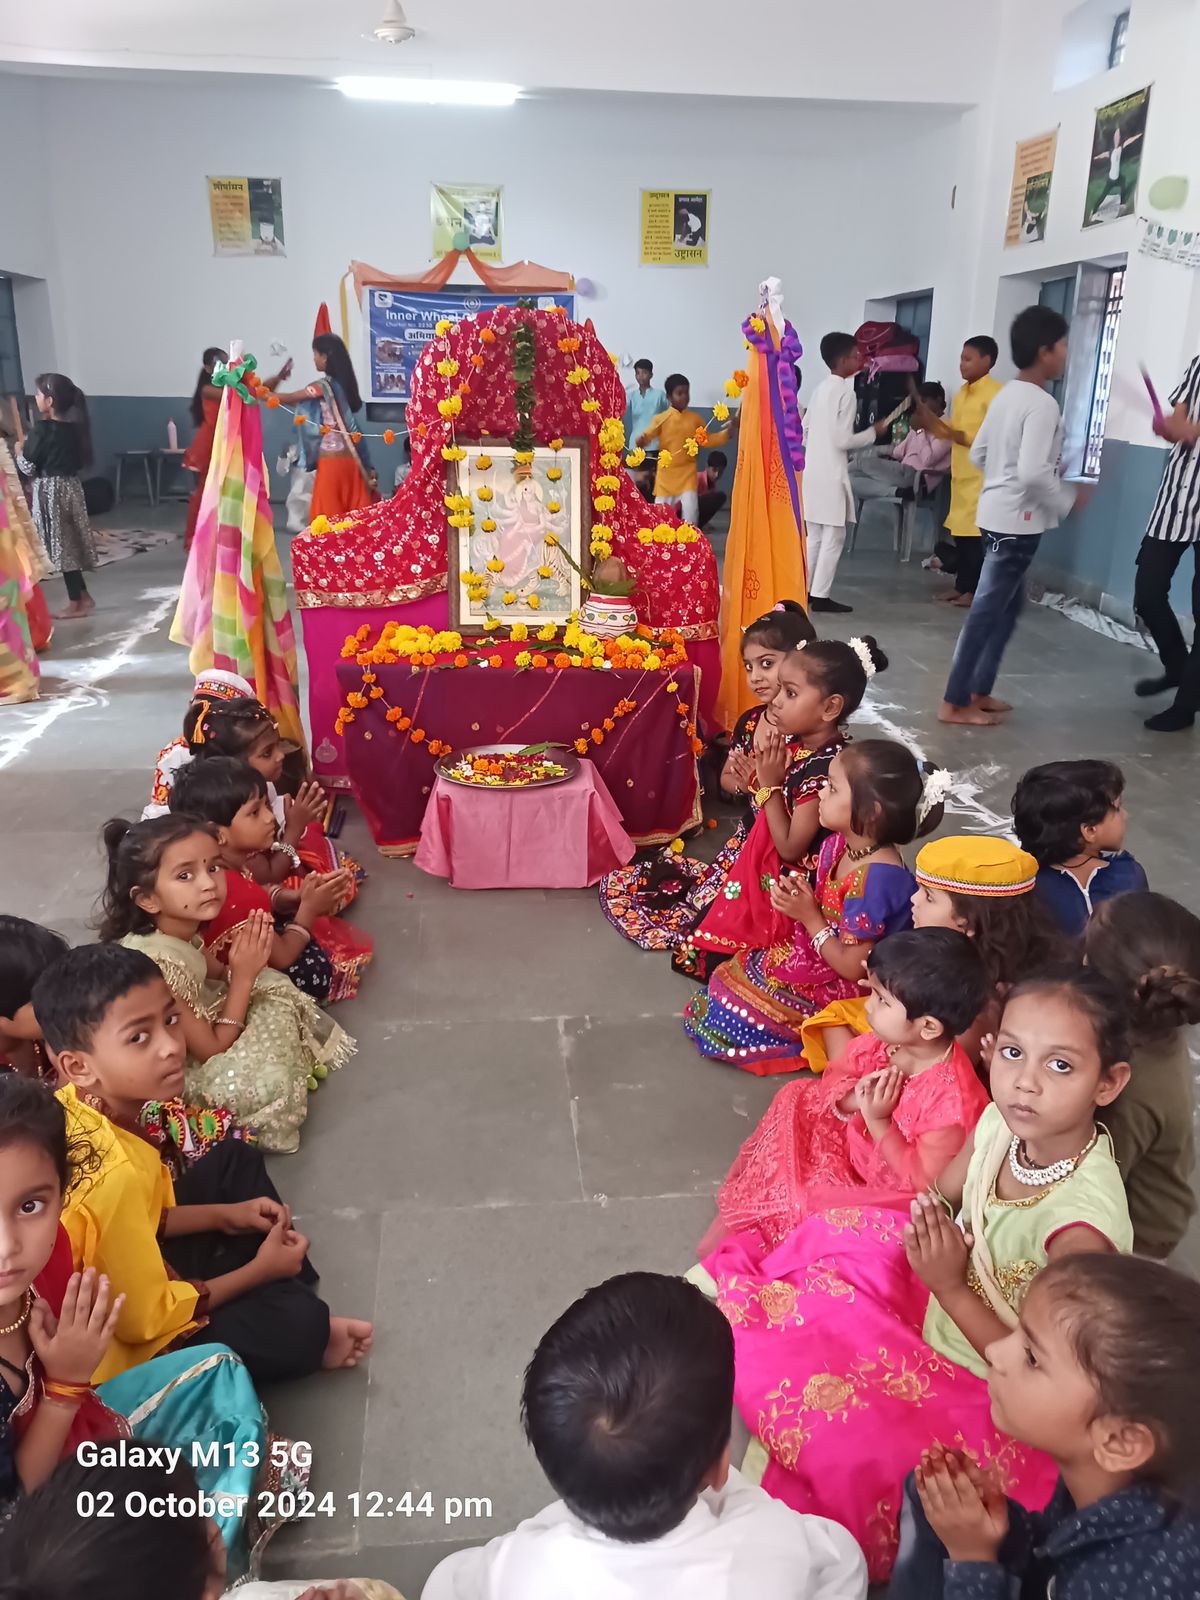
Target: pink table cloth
{"points": [[564, 836]]}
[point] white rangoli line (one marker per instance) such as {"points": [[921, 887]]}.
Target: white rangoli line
{"points": [[966, 794], [81, 679]]}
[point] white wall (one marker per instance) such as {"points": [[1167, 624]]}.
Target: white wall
{"points": [[802, 192], [1160, 320]]}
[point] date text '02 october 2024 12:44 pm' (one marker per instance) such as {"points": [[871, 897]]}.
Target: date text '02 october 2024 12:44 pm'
{"points": [[286, 1503]]}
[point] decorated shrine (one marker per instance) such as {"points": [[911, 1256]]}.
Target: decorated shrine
{"points": [[448, 615]]}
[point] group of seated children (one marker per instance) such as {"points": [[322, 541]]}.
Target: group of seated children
{"points": [[150, 1273]]}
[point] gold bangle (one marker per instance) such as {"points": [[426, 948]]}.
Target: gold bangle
{"points": [[229, 1022], [69, 1393]]}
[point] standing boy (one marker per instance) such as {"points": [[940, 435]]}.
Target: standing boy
{"points": [[1017, 449], [971, 405], [829, 437], [1174, 528], [643, 401], [676, 479]]}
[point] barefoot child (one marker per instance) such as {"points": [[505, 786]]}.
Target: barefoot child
{"points": [[1017, 448], [202, 1255], [323, 956], [656, 904], [820, 685], [54, 452], [862, 1336], [894, 1111], [753, 1010], [1148, 947], [1100, 1374], [1069, 815], [269, 1044]]}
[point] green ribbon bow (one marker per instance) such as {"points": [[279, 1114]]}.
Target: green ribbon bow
{"points": [[233, 377]]}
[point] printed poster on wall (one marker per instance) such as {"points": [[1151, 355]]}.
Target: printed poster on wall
{"points": [[247, 216], [1116, 164], [674, 228], [1165, 242], [400, 325], [466, 217], [1029, 197]]}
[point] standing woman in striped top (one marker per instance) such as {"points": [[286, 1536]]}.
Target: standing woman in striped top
{"points": [[1174, 526]]}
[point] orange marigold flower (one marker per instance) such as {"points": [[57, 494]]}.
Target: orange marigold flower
{"points": [[394, 714], [682, 708], [643, 632], [562, 660], [697, 747], [741, 377], [690, 730], [324, 427], [608, 724], [477, 361], [422, 429], [582, 746], [389, 436], [540, 660], [355, 437], [495, 661], [711, 823], [701, 436], [427, 660], [597, 736], [404, 723], [272, 402], [460, 660], [417, 735], [376, 693], [487, 336]]}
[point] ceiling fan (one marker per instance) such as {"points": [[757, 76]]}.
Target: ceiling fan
{"points": [[393, 27]]}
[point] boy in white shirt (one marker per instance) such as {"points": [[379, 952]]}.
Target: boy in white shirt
{"points": [[1017, 449], [829, 437], [627, 1404]]}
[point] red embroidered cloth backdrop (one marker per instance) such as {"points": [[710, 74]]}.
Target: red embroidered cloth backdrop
{"points": [[646, 760], [396, 552]]}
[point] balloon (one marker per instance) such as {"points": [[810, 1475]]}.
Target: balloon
{"points": [[1168, 194], [585, 287], [460, 240]]}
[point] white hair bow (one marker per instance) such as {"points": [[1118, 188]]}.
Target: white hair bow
{"points": [[863, 651], [934, 792]]}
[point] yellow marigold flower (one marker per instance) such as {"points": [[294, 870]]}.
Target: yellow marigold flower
{"points": [[453, 452], [645, 535], [603, 502], [546, 634], [509, 597], [545, 572], [691, 448], [460, 519], [519, 632], [665, 459], [653, 662], [553, 506], [720, 411], [482, 463], [555, 444], [523, 658], [534, 602], [578, 375], [608, 483], [677, 847], [488, 524], [491, 624], [441, 328], [589, 405], [483, 492], [732, 389], [450, 408], [672, 687], [610, 459], [588, 646], [554, 474], [758, 324], [448, 368], [635, 457], [601, 530], [320, 525], [523, 458], [551, 539], [495, 565], [663, 534]]}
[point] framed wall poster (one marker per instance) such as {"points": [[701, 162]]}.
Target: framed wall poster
{"points": [[1029, 196], [471, 211], [1118, 141], [399, 324], [247, 216], [675, 227], [525, 505]]}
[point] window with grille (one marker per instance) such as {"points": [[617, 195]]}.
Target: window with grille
{"points": [[1116, 45], [1102, 382], [11, 381]]}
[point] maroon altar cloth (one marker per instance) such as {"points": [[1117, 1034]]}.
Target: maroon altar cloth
{"points": [[646, 761]]}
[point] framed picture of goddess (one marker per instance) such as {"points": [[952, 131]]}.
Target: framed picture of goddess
{"points": [[528, 543]]}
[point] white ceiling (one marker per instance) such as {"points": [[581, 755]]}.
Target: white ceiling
{"points": [[860, 50]]}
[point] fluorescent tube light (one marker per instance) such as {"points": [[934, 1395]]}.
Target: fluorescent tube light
{"points": [[429, 91]]}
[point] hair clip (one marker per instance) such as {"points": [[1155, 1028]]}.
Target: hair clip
{"points": [[198, 730], [863, 651], [803, 645], [935, 791]]}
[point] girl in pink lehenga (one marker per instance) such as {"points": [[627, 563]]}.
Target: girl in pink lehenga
{"points": [[889, 1116], [860, 1340]]}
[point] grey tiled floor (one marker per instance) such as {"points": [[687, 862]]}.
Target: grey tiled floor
{"points": [[525, 1115]]}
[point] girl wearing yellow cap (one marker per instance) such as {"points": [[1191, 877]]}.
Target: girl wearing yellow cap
{"points": [[982, 887]]}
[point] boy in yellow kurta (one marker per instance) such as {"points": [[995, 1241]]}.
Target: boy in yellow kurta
{"points": [[205, 1254], [676, 479], [966, 480]]}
